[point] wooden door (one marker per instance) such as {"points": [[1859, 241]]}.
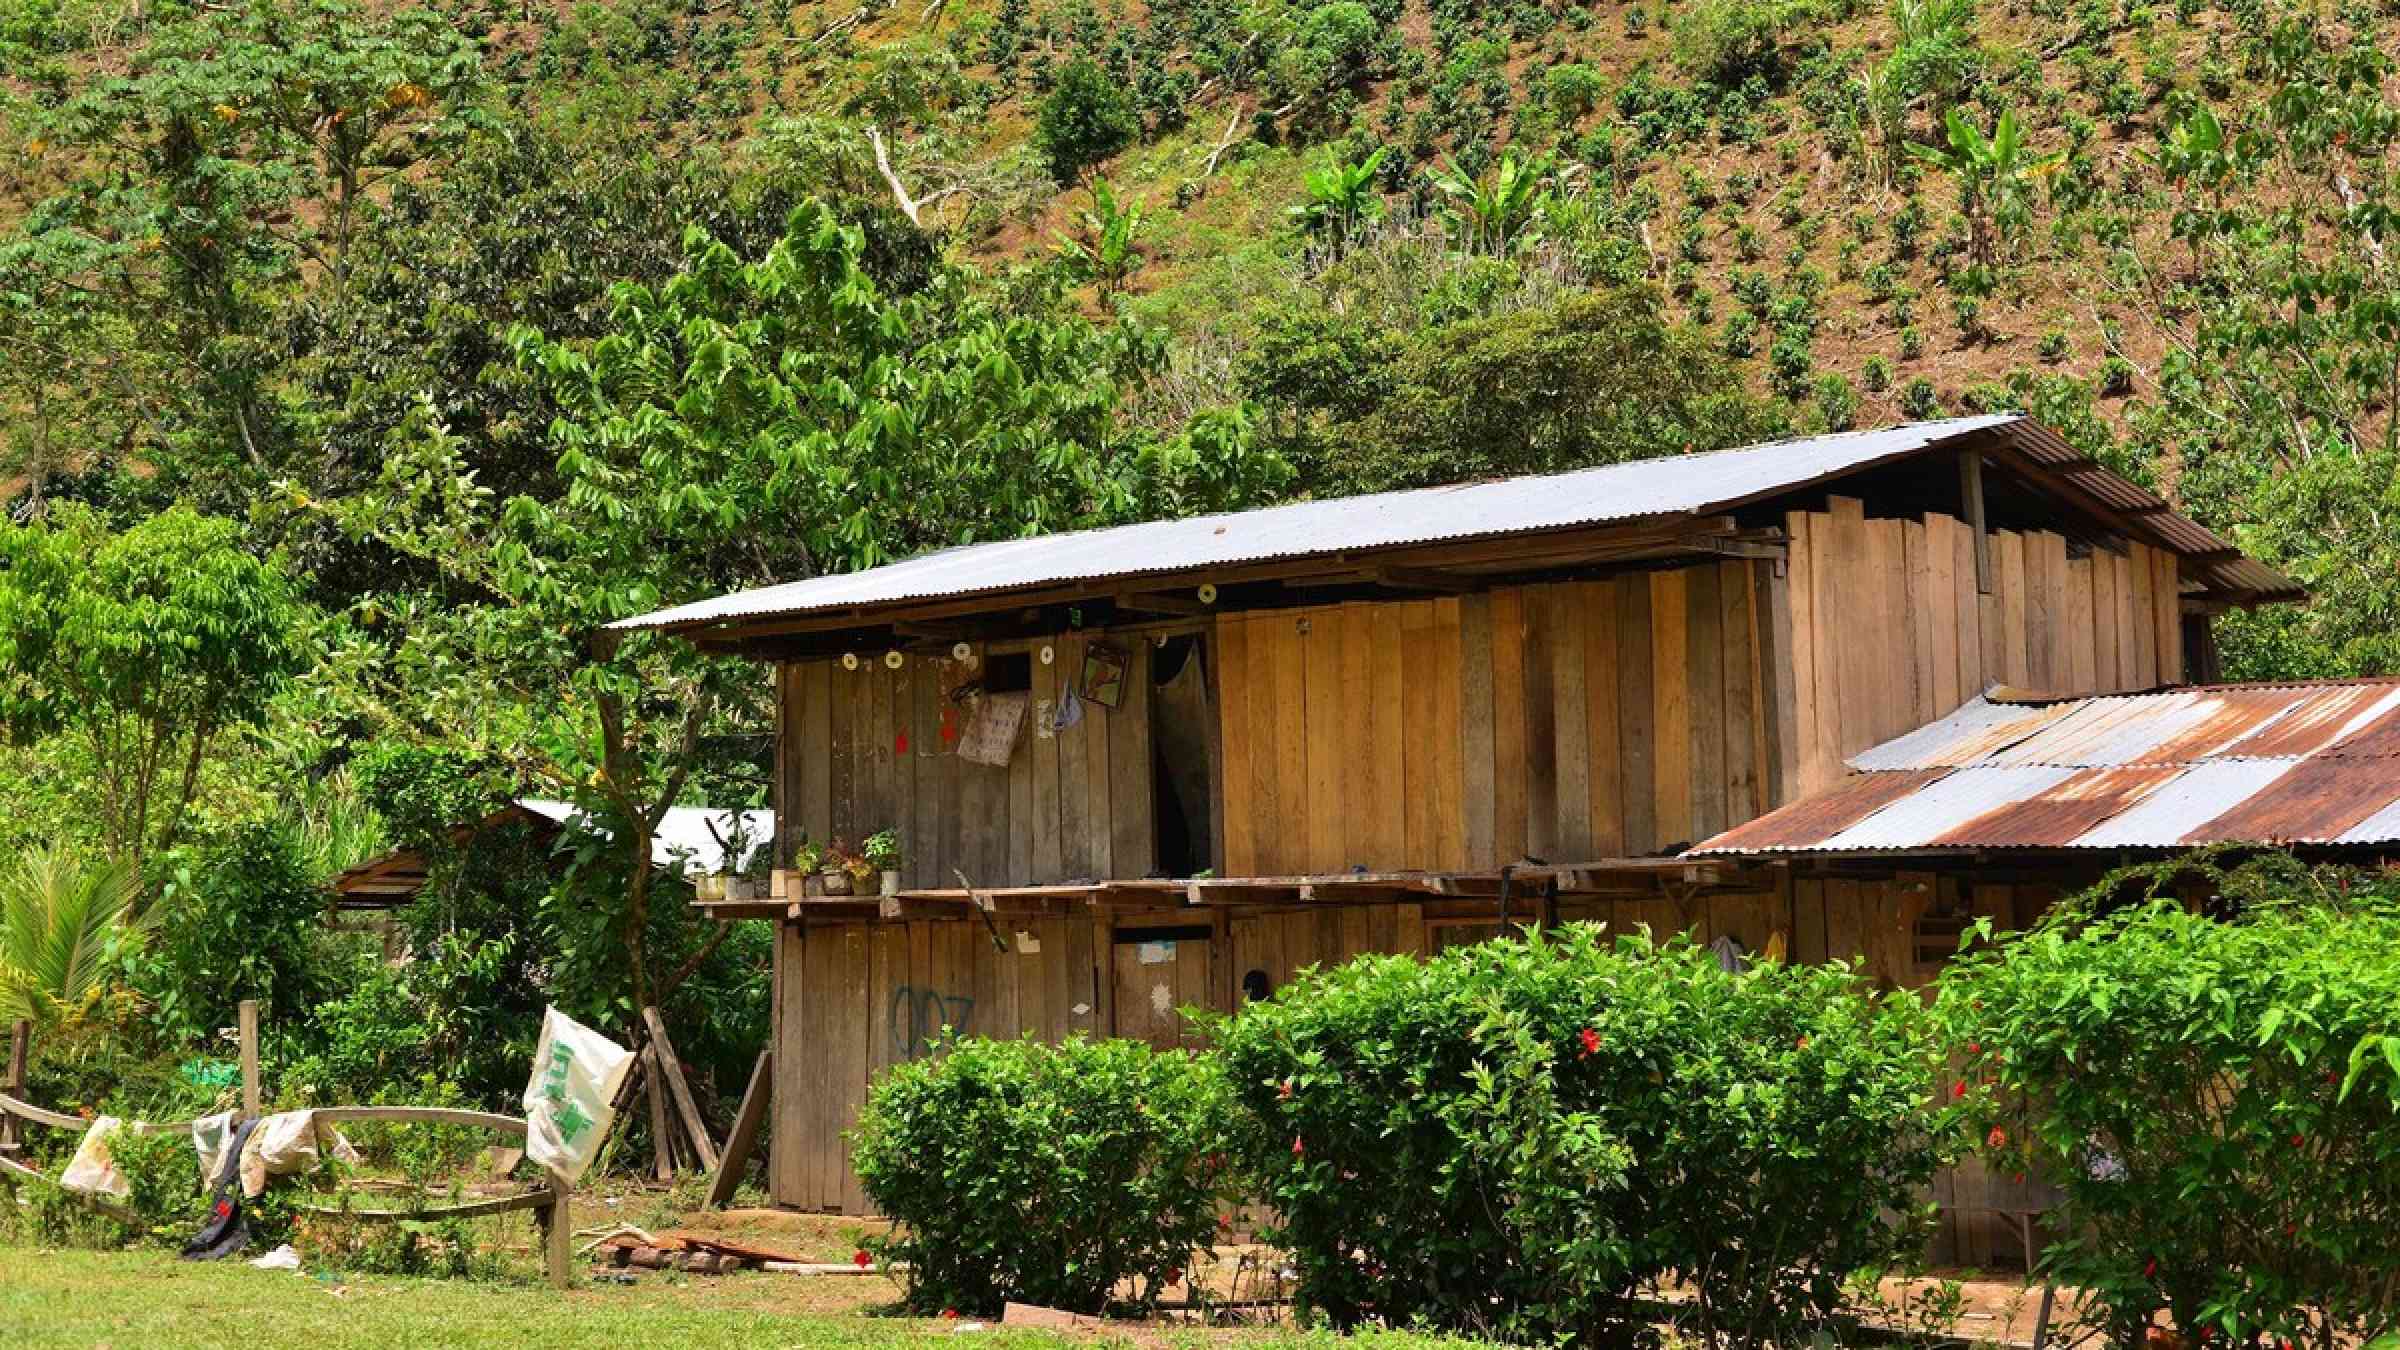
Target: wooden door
{"points": [[1158, 972]]}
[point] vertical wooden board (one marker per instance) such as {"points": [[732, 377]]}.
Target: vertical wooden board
{"points": [[1019, 868], [1571, 736], [1888, 668], [784, 798], [1387, 737], [2107, 677], [1132, 795], [890, 999], [1041, 752], [1845, 931], [1808, 921], [2008, 559], [1509, 763], [1321, 649], [2168, 608], [987, 980], [1448, 733], [899, 749], [1078, 976], [1289, 695], [983, 838], [1917, 585], [1233, 817], [1476, 720], [1269, 826], [787, 1138], [875, 747], [2129, 669], [1607, 831], [1744, 718], [1637, 716], [951, 793], [1797, 655], [1704, 698], [1539, 659], [2075, 628], [1850, 608], [1408, 928], [816, 740], [1356, 933], [1421, 844], [1099, 784], [853, 1074], [1355, 746], [2045, 608], [2142, 585], [804, 1069], [1671, 706], [928, 988], [844, 700], [1972, 679], [1941, 613]]}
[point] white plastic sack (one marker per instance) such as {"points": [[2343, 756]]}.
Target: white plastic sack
{"points": [[571, 1100], [286, 1143], [91, 1172], [212, 1138]]}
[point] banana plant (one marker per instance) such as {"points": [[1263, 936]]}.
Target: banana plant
{"points": [[1993, 172], [1102, 249], [1499, 216], [1341, 199]]}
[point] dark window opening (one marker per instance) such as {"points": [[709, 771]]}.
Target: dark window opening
{"points": [[1180, 720], [1008, 673]]}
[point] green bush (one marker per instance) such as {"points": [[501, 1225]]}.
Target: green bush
{"points": [[1515, 1137], [239, 916], [1086, 118], [1015, 1170], [2219, 1097]]}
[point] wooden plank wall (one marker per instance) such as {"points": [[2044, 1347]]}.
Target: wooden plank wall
{"points": [[851, 1000], [1889, 630], [1567, 721], [875, 747]]}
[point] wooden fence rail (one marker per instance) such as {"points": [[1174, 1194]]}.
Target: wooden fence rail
{"points": [[549, 1202]]}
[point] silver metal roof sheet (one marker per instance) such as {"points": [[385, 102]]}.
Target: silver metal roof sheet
{"points": [[2315, 763], [1678, 485], [682, 839]]}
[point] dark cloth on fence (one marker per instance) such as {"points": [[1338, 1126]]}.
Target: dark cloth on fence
{"points": [[227, 1231]]}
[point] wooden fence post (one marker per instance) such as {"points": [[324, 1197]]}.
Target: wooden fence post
{"points": [[20, 1049], [558, 1247], [249, 1030]]}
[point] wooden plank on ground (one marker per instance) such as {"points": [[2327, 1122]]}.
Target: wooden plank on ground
{"points": [[746, 1125]]}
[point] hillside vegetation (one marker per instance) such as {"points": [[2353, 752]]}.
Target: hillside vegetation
{"points": [[358, 360]]}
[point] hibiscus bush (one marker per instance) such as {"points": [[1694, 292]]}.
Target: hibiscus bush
{"points": [[2207, 1060], [1515, 1138], [1050, 1174]]}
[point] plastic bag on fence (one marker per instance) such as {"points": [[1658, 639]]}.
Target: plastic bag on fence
{"points": [[571, 1100], [288, 1143], [212, 1139], [92, 1172]]}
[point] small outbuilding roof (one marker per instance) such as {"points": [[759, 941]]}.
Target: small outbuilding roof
{"points": [[2307, 764], [682, 842], [1375, 524]]}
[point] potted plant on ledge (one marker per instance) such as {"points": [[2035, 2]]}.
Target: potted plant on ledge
{"points": [[881, 852], [839, 868]]}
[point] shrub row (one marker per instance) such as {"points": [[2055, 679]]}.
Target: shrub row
{"points": [[1527, 1138]]}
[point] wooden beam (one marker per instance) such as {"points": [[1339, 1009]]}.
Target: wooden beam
{"points": [[247, 1020], [20, 1049], [662, 1143], [1970, 492], [1423, 579], [1160, 602], [679, 1088], [744, 1139]]}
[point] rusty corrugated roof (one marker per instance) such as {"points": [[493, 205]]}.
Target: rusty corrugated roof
{"points": [[1683, 485], [2314, 763]]}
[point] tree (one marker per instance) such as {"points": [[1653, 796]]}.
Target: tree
{"points": [[1341, 199], [148, 645], [1496, 217], [1102, 249], [62, 921], [1088, 117], [746, 422], [1994, 173]]}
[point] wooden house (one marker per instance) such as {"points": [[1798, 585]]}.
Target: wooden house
{"points": [[1169, 764]]}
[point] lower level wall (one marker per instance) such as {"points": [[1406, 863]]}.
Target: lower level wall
{"points": [[852, 999]]}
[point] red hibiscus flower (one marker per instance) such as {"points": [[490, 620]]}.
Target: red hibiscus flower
{"points": [[1591, 1042]]}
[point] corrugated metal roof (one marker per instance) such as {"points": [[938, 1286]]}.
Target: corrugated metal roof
{"points": [[2311, 763], [682, 839], [1680, 485]]}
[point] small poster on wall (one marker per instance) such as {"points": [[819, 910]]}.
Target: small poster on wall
{"points": [[1104, 674]]}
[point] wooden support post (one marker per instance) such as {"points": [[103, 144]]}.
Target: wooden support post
{"points": [[662, 1144], [1970, 494], [20, 1050], [252, 1098], [746, 1124], [558, 1250], [671, 1069]]}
